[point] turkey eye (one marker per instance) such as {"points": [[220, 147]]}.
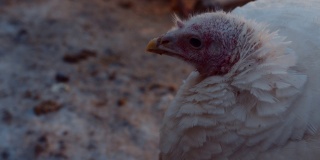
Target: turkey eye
{"points": [[196, 43]]}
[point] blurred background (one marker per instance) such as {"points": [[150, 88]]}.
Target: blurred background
{"points": [[76, 82]]}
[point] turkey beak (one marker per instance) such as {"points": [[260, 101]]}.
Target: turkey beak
{"points": [[161, 45], [152, 45]]}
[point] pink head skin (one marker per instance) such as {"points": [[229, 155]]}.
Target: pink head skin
{"points": [[208, 41]]}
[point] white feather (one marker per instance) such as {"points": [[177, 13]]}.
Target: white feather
{"points": [[268, 105]]}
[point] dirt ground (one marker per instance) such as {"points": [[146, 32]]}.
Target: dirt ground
{"points": [[76, 82]]}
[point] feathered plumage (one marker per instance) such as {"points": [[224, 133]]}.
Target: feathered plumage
{"points": [[255, 94]]}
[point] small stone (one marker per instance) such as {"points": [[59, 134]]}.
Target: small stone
{"points": [[100, 103], [21, 35], [6, 117], [31, 95], [121, 102], [60, 87], [112, 76], [60, 77], [142, 89], [125, 4], [78, 57], [41, 145], [42, 139], [172, 89], [46, 107], [155, 86]]}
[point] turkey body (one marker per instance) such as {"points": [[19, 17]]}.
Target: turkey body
{"points": [[267, 105]]}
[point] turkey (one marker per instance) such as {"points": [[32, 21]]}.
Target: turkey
{"points": [[255, 93]]}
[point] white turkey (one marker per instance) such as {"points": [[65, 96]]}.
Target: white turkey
{"points": [[255, 94]]}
